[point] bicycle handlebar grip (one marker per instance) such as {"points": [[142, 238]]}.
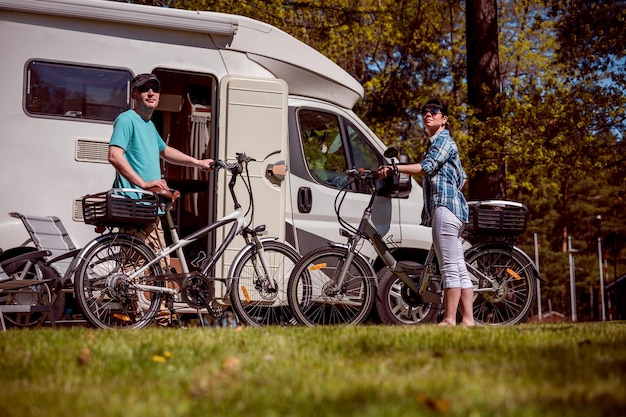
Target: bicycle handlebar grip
{"points": [[360, 173]]}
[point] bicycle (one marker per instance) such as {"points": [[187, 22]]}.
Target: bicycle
{"points": [[503, 275], [120, 281], [336, 284]]}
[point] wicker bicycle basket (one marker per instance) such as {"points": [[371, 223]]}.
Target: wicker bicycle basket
{"points": [[109, 208], [497, 217]]}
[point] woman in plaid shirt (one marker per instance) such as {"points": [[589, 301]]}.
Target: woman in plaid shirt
{"points": [[445, 209]]}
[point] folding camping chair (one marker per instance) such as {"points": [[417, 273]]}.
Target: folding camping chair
{"points": [[25, 291], [47, 233]]}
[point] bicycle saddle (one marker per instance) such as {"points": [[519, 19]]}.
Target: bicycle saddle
{"points": [[165, 195]]}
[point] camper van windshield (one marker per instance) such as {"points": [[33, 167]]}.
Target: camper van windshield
{"points": [[76, 91]]}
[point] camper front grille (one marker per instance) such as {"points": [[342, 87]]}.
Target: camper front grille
{"points": [[89, 150]]}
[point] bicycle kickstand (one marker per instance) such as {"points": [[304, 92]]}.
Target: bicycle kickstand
{"points": [[169, 304]]}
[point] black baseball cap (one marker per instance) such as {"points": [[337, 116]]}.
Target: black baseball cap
{"points": [[141, 79]]}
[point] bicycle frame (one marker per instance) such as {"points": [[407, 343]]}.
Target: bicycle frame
{"points": [[367, 229], [236, 218]]}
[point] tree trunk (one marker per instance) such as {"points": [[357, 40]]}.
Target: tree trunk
{"points": [[483, 85]]}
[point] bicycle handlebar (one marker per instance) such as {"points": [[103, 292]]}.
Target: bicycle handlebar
{"points": [[233, 167], [359, 173]]}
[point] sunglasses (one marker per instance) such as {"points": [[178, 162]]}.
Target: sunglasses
{"points": [[145, 88], [432, 110]]}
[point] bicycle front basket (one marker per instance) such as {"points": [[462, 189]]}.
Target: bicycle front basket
{"points": [[497, 217], [110, 209]]}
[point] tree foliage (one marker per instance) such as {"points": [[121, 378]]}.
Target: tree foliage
{"points": [[561, 100]]}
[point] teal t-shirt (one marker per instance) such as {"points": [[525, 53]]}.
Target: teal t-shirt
{"points": [[142, 146]]}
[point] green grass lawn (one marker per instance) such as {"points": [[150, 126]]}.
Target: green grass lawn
{"points": [[526, 370]]}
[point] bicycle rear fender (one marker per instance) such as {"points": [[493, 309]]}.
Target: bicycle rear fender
{"points": [[513, 249]]}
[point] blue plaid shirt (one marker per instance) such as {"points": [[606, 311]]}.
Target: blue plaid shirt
{"points": [[443, 179]]}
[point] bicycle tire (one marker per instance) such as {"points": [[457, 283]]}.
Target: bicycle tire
{"points": [[103, 290], [253, 301], [314, 302], [511, 302], [394, 308]]}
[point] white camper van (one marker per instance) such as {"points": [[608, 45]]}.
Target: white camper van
{"points": [[229, 84]]}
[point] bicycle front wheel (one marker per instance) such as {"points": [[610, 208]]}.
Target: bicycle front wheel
{"points": [[107, 295], [256, 300], [316, 299], [505, 294]]}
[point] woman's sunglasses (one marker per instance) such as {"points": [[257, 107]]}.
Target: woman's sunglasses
{"points": [[432, 110]]}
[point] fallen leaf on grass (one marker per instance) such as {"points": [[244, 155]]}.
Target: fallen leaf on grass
{"points": [[85, 357], [231, 365], [436, 404]]}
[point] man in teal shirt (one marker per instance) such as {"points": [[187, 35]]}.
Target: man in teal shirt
{"points": [[136, 146]]}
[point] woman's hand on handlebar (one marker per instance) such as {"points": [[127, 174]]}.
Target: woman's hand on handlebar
{"points": [[384, 171]]}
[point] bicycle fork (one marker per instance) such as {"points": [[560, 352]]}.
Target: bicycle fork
{"points": [[261, 268]]}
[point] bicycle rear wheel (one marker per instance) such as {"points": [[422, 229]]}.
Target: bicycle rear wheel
{"points": [[513, 290], [255, 300], [314, 298], [107, 296]]}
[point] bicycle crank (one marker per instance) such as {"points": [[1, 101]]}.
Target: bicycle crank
{"points": [[197, 291]]}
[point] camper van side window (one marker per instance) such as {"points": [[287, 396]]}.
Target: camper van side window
{"points": [[323, 147], [363, 154], [73, 91]]}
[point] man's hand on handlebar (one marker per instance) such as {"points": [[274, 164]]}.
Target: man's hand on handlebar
{"points": [[156, 184], [205, 164]]}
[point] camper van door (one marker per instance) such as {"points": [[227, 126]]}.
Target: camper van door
{"points": [[253, 120]]}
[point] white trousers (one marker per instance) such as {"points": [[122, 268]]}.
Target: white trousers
{"points": [[447, 229]]}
